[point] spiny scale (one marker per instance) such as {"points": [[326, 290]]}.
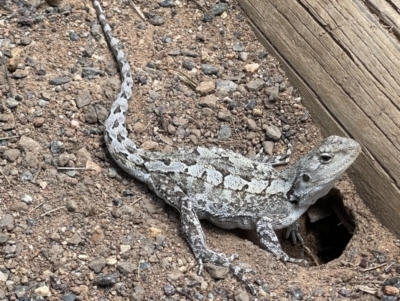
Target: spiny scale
{"points": [[222, 186]]}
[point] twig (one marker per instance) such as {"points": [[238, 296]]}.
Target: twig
{"points": [[184, 78], [36, 208], [373, 268], [138, 269], [1, 171], [51, 211], [137, 9], [8, 138], [366, 282], [311, 255], [137, 200], [6, 74], [36, 175], [74, 168]]}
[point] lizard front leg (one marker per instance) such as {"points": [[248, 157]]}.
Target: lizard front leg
{"points": [[269, 241], [195, 237]]}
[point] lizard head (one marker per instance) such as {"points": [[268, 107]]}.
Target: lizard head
{"points": [[315, 174]]}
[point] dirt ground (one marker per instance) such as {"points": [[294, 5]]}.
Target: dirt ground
{"points": [[74, 226]]}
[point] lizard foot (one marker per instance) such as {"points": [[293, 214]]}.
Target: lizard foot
{"points": [[293, 232], [239, 273]]}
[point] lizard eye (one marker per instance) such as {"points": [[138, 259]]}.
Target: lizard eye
{"points": [[325, 158], [306, 178]]}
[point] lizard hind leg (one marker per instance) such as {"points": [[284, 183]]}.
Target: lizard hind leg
{"points": [[195, 237]]}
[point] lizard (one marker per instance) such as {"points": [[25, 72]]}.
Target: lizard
{"points": [[222, 186]]}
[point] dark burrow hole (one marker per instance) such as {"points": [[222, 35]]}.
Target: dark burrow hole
{"points": [[326, 228]]}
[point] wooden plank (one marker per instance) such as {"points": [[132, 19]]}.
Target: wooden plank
{"points": [[347, 68]]}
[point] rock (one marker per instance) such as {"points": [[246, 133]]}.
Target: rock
{"points": [[106, 280], [89, 72], [238, 47], [252, 124], [97, 236], [64, 158], [242, 296], [3, 277], [101, 112], [268, 147], [251, 104], [91, 115], [205, 88], [179, 121], [297, 293], [124, 248], [11, 103], [190, 53], [7, 222], [156, 20], [225, 132], [390, 290], [43, 291], [188, 64], [209, 69], [255, 85], [38, 122], [72, 206], [272, 92], [243, 56], [59, 81], [97, 264], [226, 85], [82, 157], [29, 145], [12, 155], [219, 8], [169, 290], [19, 207], [166, 3], [215, 271], [273, 133], [224, 115], [251, 68], [83, 99], [74, 240], [70, 296], [138, 293], [125, 267], [257, 113], [149, 145], [3, 238], [30, 160], [27, 198], [210, 101]]}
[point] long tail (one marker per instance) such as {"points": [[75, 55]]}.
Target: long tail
{"points": [[123, 150]]}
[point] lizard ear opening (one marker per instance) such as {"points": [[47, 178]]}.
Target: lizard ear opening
{"points": [[306, 178]]}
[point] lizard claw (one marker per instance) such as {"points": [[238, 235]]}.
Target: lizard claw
{"points": [[293, 232]]}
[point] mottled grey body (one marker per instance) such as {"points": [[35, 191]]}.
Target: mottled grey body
{"points": [[224, 187]]}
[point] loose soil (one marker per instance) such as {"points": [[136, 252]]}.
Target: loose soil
{"points": [[64, 230]]}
